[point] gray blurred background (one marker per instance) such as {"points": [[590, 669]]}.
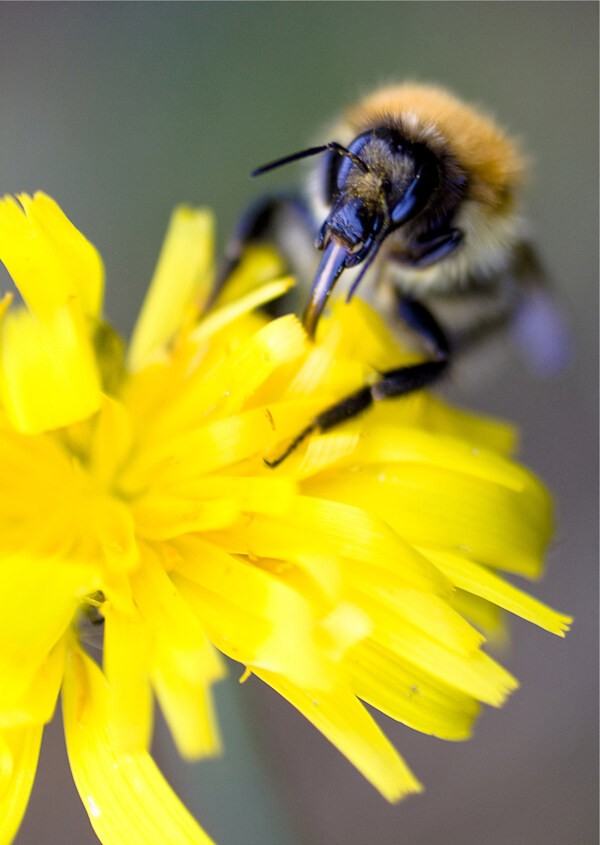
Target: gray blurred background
{"points": [[121, 111]]}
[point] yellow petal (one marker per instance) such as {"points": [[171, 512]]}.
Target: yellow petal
{"points": [[183, 274], [125, 661], [207, 448], [346, 625], [163, 517], [5, 303], [19, 752], [170, 621], [277, 343], [126, 797], [423, 410], [269, 495], [399, 605], [36, 704], [117, 588], [113, 524], [429, 506], [414, 697], [346, 723], [49, 376], [215, 321], [474, 674], [477, 579], [39, 599], [327, 450], [32, 472], [182, 663], [260, 264], [336, 529], [363, 335], [111, 442], [324, 372], [208, 504], [397, 444], [188, 708], [49, 373], [485, 616], [248, 613], [50, 261], [176, 431], [324, 570]]}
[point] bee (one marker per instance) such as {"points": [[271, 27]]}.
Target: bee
{"points": [[419, 192]]}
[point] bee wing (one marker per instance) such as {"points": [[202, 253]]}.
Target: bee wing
{"points": [[539, 327], [540, 332]]}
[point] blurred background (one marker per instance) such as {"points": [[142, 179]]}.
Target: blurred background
{"points": [[120, 111]]}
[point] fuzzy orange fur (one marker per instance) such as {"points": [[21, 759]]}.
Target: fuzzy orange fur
{"points": [[492, 160]]}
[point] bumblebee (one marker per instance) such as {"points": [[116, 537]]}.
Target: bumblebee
{"points": [[419, 192]]}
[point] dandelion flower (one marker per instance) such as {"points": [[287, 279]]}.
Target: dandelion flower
{"points": [[134, 490]]}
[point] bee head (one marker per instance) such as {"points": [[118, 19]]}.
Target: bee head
{"points": [[376, 185]]}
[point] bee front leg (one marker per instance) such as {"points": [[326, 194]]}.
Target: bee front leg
{"points": [[393, 383], [430, 248], [258, 224]]}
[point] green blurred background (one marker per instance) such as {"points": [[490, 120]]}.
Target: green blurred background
{"points": [[122, 110]]}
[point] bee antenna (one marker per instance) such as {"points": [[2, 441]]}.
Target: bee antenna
{"points": [[312, 151]]}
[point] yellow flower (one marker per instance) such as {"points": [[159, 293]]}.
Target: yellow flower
{"points": [[133, 489]]}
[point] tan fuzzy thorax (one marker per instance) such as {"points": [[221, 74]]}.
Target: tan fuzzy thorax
{"points": [[492, 161]]}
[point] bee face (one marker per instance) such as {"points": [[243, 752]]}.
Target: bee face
{"points": [[389, 167], [388, 182], [428, 175]]}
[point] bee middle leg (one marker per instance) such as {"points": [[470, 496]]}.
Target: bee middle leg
{"points": [[392, 384]]}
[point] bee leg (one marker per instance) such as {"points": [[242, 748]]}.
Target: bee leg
{"points": [[392, 384], [257, 224], [420, 319], [430, 248]]}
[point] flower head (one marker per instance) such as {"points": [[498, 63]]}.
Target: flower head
{"points": [[134, 490]]}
